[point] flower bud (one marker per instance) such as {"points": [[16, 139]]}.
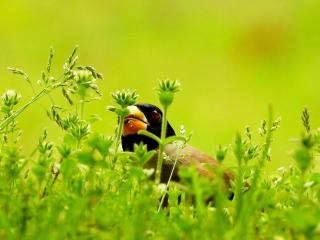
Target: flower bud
{"points": [[303, 158], [221, 153], [83, 75], [166, 90], [84, 81], [166, 98], [124, 97], [11, 98]]}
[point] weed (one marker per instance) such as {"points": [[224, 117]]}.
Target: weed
{"points": [[83, 186]]}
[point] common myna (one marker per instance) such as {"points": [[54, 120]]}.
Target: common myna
{"points": [[149, 117]]}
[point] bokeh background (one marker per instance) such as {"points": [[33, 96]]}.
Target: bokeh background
{"points": [[232, 57]]}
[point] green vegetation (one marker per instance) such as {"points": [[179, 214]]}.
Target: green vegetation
{"points": [[236, 56], [84, 187]]}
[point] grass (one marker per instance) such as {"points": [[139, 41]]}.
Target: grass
{"points": [[85, 187]]}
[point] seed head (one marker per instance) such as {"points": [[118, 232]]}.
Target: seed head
{"points": [[169, 86], [221, 153], [125, 97], [166, 90], [83, 75], [84, 81], [305, 117], [11, 98]]}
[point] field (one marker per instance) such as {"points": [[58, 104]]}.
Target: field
{"points": [[84, 187], [248, 97], [240, 57]]}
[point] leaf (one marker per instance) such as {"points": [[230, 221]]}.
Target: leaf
{"points": [[20, 72], [86, 158], [101, 143], [70, 140], [68, 167], [303, 158]]}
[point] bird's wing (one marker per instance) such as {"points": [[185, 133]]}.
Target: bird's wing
{"points": [[187, 156], [190, 156]]}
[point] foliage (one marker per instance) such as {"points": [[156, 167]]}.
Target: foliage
{"points": [[85, 187]]}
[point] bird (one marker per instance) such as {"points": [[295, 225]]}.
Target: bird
{"points": [[145, 116]]}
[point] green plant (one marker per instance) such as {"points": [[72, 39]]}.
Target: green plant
{"points": [[82, 186], [124, 99], [166, 91]]}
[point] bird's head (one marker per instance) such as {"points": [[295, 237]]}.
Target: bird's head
{"points": [[143, 117]]}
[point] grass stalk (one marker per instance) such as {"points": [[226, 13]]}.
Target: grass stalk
{"points": [[161, 145], [7, 121], [119, 133], [167, 185]]}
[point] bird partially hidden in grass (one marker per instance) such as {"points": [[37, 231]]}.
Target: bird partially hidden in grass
{"points": [[149, 117]]}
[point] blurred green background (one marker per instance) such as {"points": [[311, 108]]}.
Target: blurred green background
{"points": [[233, 58]]}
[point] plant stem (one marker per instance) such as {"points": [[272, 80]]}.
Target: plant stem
{"points": [[5, 122], [245, 219], [81, 108], [264, 155], [169, 180], [119, 133], [301, 190], [161, 145], [220, 217], [55, 177], [239, 191]]}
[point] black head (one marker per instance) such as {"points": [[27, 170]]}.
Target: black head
{"points": [[147, 117]]}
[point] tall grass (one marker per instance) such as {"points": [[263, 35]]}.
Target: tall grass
{"points": [[83, 186]]}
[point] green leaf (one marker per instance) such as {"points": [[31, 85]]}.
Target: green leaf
{"points": [[69, 140], [303, 158], [68, 167], [101, 143], [86, 158]]}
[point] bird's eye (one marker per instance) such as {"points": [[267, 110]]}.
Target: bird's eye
{"points": [[155, 115]]}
